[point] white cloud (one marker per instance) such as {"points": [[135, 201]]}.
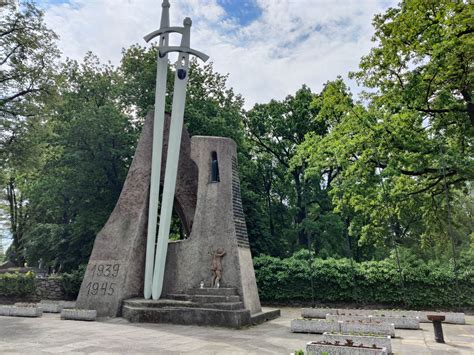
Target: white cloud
{"points": [[293, 42]]}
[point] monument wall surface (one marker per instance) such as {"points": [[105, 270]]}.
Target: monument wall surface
{"points": [[116, 267], [212, 216], [218, 223]]}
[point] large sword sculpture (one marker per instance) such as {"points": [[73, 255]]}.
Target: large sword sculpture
{"points": [[156, 256]]}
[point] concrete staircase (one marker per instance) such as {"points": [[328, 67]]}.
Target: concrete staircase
{"points": [[199, 306]]}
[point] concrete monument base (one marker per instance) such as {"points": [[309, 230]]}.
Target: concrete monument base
{"points": [[207, 306]]}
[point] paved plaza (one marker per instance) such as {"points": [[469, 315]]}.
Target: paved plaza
{"points": [[49, 334]]}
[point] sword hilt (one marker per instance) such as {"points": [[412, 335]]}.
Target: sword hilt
{"points": [[185, 31]]}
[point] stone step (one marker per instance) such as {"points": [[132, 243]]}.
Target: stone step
{"points": [[265, 315], [188, 316], [178, 296], [213, 291], [223, 305], [170, 303], [161, 303], [214, 299]]}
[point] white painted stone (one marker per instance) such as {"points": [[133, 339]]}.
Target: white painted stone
{"points": [[383, 341], [79, 314], [317, 326], [348, 327], [313, 349]]}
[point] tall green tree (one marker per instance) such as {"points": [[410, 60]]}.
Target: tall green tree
{"points": [[90, 150], [27, 58], [276, 129]]}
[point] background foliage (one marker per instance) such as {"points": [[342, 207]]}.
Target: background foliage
{"points": [[17, 284], [340, 280], [378, 187]]}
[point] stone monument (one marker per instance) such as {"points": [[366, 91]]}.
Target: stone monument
{"points": [[206, 279]]}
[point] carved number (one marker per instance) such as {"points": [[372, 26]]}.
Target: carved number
{"points": [[105, 270], [102, 288]]}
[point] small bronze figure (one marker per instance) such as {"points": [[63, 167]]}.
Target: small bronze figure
{"points": [[216, 267]]}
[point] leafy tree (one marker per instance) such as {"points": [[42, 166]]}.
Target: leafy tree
{"points": [[276, 130], [90, 150], [211, 107], [27, 59], [403, 157], [422, 70]]}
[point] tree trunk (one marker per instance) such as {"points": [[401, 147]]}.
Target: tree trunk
{"points": [[300, 209]]}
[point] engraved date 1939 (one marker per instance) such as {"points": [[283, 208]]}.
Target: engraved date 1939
{"points": [[106, 270]]}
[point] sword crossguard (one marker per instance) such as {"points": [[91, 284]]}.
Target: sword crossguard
{"points": [[162, 31], [185, 31]]}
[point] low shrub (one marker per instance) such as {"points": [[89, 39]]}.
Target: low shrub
{"points": [[339, 280], [72, 281], [16, 284]]}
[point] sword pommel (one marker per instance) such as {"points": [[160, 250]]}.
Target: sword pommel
{"points": [[187, 22]]}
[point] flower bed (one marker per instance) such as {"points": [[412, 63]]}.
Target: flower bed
{"points": [[313, 326], [451, 317], [348, 327], [381, 341], [332, 348], [399, 322], [317, 312]]}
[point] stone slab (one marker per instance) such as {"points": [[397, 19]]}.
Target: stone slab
{"points": [[189, 316], [398, 322], [349, 327], [51, 307], [451, 317], [366, 340], [316, 326], [265, 316], [317, 312], [8, 311], [79, 314]]}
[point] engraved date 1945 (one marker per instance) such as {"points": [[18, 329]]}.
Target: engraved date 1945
{"points": [[100, 288]]}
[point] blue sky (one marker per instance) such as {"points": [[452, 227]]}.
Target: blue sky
{"points": [[269, 48]]}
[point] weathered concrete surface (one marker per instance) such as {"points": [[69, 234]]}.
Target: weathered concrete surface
{"points": [[50, 334], [116, 266], [218, 223], [451, 317], [379, 341]]}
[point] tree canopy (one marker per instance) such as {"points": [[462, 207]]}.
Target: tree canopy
{"points": [[386, 175]]}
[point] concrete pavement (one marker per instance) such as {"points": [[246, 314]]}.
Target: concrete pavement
{"points": [[49, 334]]}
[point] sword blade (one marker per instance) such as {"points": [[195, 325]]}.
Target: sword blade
{"points": [[158, 125], [176, 127]]}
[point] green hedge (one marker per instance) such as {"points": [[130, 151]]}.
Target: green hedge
{"points": [[376, 282], [72, 281], [16, 284]]}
